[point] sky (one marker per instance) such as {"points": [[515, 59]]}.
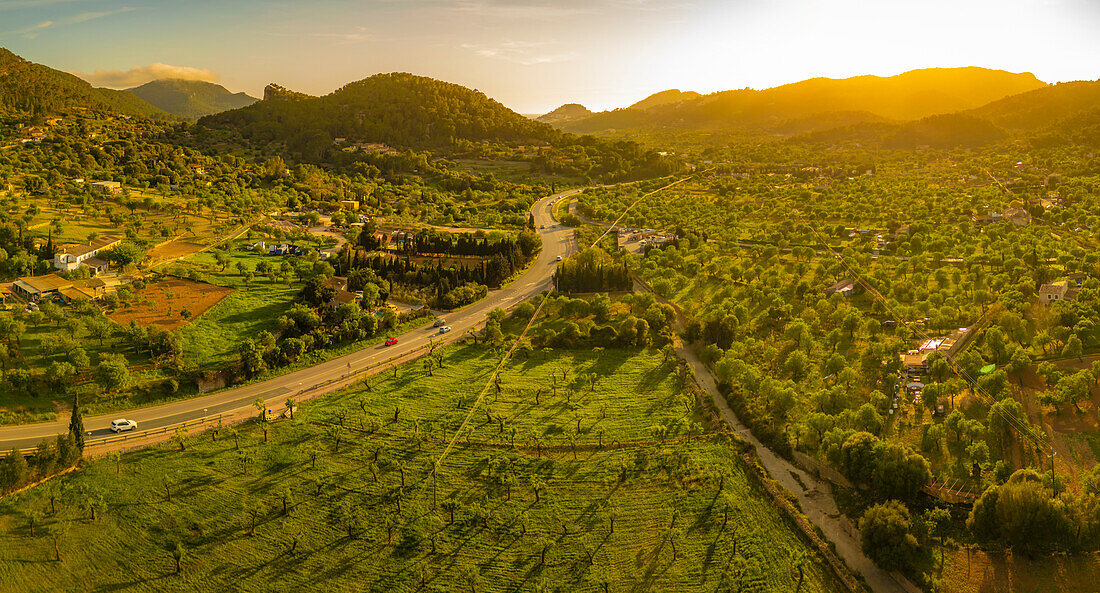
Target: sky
{"points": [[534, 55]]}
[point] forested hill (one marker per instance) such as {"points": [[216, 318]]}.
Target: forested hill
{"points": [[669, 97], [565, 113], [1065, 113], [191, 98], [396, 109], [909, 96], [26, 87], [1042, 107]]}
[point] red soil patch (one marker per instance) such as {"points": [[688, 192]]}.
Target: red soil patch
{"points": [[160, 304], [173, 249]]}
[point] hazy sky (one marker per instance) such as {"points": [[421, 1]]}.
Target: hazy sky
{"points": [[534, 55]]}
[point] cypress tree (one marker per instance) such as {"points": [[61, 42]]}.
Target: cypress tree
{"points": [[76, 426]]}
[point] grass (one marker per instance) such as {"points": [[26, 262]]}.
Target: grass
{"points": [[31, 407], [353, 523], [212, 339]]}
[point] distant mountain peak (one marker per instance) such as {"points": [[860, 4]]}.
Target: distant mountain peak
{"points": [[668, 97], [190, 98], [397, 109], [567, 112], [275, 92]]}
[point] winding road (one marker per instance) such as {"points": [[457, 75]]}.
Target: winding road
{"points": [[330, 375], [813, 495]]}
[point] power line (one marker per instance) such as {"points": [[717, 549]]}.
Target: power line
{"points": [[1026, 430], [515, 344]]}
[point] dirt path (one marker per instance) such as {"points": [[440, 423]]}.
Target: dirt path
{"points": [[813, 495]]}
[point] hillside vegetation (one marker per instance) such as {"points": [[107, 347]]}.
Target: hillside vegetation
{"points": [[414, 112], [40, 90], [1042, 107], [397, 109]]}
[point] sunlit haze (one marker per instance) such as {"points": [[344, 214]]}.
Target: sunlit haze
{"points": [[536, 54]]}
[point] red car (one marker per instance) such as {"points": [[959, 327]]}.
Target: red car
{"points": [[391, 341]]}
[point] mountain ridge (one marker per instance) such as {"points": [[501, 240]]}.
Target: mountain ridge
{"points": [[909, 96], [190, 99], [397, 109]]}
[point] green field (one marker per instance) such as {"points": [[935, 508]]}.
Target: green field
{"points": [[54, 341], [212, 339], [364, 513]]}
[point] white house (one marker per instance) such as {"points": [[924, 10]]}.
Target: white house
{"points": [[72, 257]]}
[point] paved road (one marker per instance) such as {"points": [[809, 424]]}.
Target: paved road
{"points": [[556, 241]]}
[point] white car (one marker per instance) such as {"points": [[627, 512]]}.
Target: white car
{"points": [[559, 258], [444, 329], [121, 425]]}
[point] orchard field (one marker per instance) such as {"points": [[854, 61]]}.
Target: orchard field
{"points": [[342, 497]]}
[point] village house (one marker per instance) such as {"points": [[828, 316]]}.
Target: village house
{"points": [[846, 287], [37, 287], [1048, 293], [107, 187], [917, 358], [349, 204], [988, 218], [72, 257]]}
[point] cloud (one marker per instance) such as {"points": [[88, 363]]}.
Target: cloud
{"points": [[32, 31], [553, 9], [139, 75], [357, 35], [524, 9], [23, 4], [527, 53]]}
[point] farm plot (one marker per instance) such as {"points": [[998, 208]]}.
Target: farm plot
{"points": [[173, 250], [170, 304], [344, 496]]}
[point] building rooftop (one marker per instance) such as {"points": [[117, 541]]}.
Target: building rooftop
{"points": [[46, 283], [1058, 289], [90, 246]]}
